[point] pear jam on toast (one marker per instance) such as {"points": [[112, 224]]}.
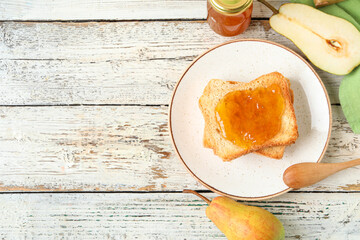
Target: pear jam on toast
{"points": [[241, 118], [250, 117]]}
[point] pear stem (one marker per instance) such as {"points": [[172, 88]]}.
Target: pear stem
{"points": [[273, 9], [197, 194]]}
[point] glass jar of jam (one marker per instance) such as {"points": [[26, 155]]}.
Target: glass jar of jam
{"points": [[229, 17]]}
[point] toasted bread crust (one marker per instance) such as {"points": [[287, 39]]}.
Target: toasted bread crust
{"points": [[276, 152], [216, 89]]}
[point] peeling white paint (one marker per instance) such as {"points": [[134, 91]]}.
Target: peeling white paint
{"points": [[165, 216], [113, 10], [112, 148], [133, 63], [90, 148]]}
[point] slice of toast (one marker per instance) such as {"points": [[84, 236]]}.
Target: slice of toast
{"points": [[217, 89], [276, 152]]}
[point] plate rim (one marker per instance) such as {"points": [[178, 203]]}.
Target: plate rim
{"points": [[172, 101]]}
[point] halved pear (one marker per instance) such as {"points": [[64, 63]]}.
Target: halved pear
{"points": [[330, 43]]}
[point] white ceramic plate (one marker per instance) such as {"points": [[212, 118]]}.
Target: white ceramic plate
{"points": [[250, 177]]}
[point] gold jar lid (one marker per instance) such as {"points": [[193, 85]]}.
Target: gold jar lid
{"points": [[230, 6]]}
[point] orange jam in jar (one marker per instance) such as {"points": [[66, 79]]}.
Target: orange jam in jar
{"points": [[251, 117], [229, 17]]}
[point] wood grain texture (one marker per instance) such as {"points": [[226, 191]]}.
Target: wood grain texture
{"points": [[167, 216], [127, 148], [109, 63], [121, 148], [113, 9]]}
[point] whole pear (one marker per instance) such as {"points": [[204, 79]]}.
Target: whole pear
{"points": [[242, 222]]}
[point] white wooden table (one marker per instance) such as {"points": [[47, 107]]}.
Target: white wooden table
{"points": [[84, 145]]}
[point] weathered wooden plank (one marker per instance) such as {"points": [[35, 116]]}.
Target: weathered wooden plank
{"points": [[120, 148], [113, 10], [102, 63], [167, 216]]}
